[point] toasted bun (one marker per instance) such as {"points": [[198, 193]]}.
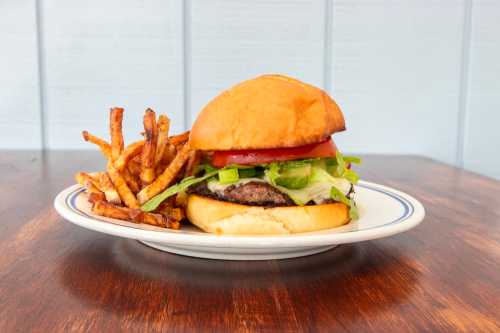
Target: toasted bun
{"points": [[270, 111], [228, 218]]}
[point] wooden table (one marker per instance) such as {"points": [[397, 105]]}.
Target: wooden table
{"points": [[443, 276]]}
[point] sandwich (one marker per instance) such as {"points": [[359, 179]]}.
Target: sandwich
{"points": [[269, 163]]}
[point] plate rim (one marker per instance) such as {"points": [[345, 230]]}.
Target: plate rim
{"points": [[174, 237]]}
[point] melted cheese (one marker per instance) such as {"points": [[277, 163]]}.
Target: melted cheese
{"points": [[317, 191]]}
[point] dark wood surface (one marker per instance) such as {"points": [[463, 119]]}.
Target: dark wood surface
{"points": [[443, 276]]}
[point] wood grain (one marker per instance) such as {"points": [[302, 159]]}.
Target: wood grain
{"points": [[439, 277]]}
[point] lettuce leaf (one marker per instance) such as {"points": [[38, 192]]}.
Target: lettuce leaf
{"points": [[337, 195], [155, 201], [272, 172], [294, 176], [302, 180], [318, 188], [339, 188], [339, 169]]}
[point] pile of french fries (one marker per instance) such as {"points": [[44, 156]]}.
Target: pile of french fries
{"points": [[139, 171]]}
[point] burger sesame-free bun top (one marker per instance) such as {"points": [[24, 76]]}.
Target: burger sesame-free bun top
{"points": [[270, 111]]}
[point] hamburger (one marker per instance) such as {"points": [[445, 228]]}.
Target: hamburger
{"points": [[270, 165]]}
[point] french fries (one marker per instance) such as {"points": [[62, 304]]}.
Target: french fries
{"points": [[169, 153], [172, 224], [107, 209], [169, 212], [121, 187], [167, 157], [137, 172], [179, 139], [180, 200], [192, 163], [135, 168], [163, 127], [106, 149], [129, 153], [102, 144], [158, 220], [108, 188], [115, 127], [131, 180], [94, 193], [148, 157], [95, 196], [86, 180], [165, 178]]}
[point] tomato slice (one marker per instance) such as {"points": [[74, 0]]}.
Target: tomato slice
{"points": [[325, 148]]}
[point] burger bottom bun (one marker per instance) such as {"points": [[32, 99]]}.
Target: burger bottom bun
{"points": [[227, 218]]}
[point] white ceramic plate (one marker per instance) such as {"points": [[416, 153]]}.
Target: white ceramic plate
{"points": [[383, 212]]}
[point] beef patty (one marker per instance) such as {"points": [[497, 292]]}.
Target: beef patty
{"points": [[251, 193]]}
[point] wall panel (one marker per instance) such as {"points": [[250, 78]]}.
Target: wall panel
{"points": [[395, 67], [396, 71], [236, 40], [19, 89], [482, 132], [110, 53]]}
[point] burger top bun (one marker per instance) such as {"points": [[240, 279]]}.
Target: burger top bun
{"points": [[270, 111]]}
